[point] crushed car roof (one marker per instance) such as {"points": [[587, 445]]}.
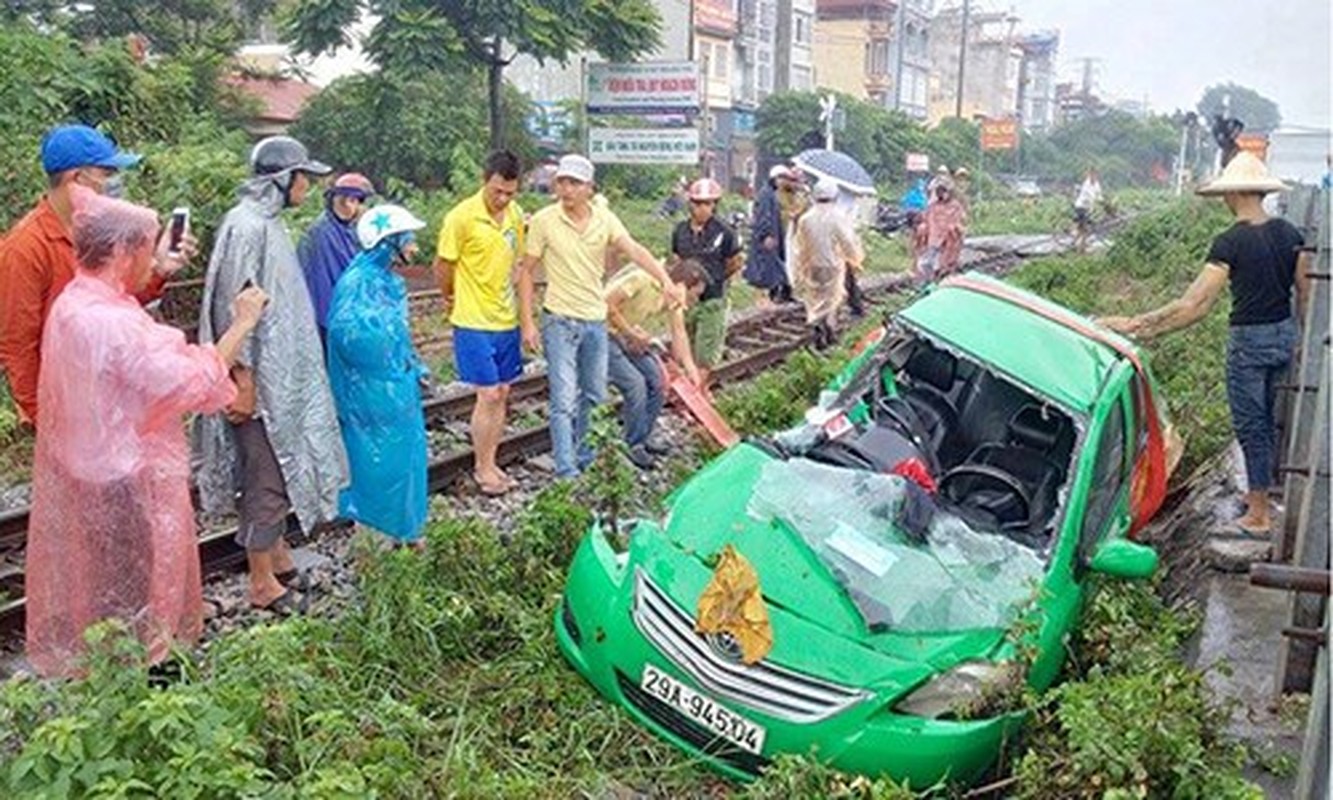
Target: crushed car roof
{"points": [[1055, 360]]}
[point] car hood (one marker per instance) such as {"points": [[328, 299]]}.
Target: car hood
{"points": [[714, 509]]}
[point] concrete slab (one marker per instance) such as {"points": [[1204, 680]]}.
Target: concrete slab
{"points": [[1240, 630]]}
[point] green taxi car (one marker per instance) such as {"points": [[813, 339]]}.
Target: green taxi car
{"points": [[922, 544]]}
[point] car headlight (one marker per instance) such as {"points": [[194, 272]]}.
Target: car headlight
{"points": [[969, 690]]}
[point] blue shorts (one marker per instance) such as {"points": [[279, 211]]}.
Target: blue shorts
{"points": [[488, 358]]}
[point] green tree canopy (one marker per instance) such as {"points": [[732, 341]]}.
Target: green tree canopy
{"points": [[423, 36], [172, 26], [433, 139], [1256, 111]]}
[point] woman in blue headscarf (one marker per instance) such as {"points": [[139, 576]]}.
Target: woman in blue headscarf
{"points": [[376, 378]]}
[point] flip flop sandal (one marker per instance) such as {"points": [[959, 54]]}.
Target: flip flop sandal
{"points": [[287, 604], [492, 489], [294, 579]]}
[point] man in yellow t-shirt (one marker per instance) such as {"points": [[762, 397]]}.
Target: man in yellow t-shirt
{"points": [[480, 242], [637, 313], [571, 239]]}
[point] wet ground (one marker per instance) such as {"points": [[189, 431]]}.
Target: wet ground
{"points": [[1239, 637]]}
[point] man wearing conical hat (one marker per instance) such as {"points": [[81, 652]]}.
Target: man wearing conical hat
{"points": [[1259, 257]]}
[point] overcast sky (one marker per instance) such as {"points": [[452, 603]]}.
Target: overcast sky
{"points": [[1171, 50]]}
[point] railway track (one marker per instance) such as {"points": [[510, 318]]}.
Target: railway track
{"points": [[754, 344]]}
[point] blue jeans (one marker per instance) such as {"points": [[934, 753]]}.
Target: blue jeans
{"points": [[639, 379], [1257, 358], [576, 369]]}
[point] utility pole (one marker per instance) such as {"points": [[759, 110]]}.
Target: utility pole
{"points": [[962, 58], [899, 18]]}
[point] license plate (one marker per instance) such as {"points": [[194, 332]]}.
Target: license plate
{"points": [[727, 724]]}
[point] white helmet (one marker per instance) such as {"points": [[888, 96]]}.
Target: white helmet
{"points": [[383, 221]]}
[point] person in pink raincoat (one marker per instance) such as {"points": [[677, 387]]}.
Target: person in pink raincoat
{"points": [[111, 534], [943, 225]]}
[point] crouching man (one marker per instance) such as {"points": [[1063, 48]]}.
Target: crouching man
{"points": [[638, 313]]}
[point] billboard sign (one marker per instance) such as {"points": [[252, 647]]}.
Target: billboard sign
{"points": [[649, 87], [917, 162], [643, 145], [999, 134]]}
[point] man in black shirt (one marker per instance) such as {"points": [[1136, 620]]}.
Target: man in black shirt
{"points": [[1259, 257], [713, 244]]}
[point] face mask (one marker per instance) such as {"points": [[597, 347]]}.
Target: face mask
{"points": [[114, 187]]}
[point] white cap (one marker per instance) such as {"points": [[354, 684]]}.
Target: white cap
{"points": [[383, 221], [825, 189], [779, 171], [574, 166]]}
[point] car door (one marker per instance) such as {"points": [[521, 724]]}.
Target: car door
{"points": [[1105, 510]]}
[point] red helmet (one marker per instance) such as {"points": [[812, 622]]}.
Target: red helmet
{"points": [[706, 189]]}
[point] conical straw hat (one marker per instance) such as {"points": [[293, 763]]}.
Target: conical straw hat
{"points": [[1245, 173]]}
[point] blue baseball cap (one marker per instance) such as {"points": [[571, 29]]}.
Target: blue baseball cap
{"points": [[72, 146]]}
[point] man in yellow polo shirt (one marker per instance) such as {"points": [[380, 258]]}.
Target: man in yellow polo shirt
{"points": [[480, 241], [571, 239]]}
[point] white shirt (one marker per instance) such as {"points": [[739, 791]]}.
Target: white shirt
{"points": [[1088, 194]]}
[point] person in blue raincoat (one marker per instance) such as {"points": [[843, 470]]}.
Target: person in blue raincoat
{"points": [[330, 244], [376, 379]]}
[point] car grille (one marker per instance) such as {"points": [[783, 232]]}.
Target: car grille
{"points": [[764, 687], [692, 733]]}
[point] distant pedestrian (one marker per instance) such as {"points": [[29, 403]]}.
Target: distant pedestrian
{"points": [[1260, 258], [480, 243], [711, 242], [278, 445], [112, 533], [766, 268], [1085, 203], [37, 255], [827, 247], [376, 379], [330, 244], [962, 187], [942, 174], [572, 239], [638, 314], [944, 223]]}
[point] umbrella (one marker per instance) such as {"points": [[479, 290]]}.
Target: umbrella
{"points": [[840, 167]]}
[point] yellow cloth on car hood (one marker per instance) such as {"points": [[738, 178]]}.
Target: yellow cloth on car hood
{"points": [[732, 603]]}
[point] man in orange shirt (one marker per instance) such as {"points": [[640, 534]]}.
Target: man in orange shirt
{"points": [[37, 256]]}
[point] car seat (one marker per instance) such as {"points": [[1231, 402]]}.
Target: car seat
{"points": [[1035, 451], [930, 372]]}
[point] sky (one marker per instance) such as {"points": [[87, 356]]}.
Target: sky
{"points": [[1171, 50]]}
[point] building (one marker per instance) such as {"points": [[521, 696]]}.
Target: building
{"points": [[990, 74], [795, 57], [910, 52], [1036, 80], [853, 48], [280, 102]]}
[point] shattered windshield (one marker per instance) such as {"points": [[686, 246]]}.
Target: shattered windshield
{"points": [[907, 565]]}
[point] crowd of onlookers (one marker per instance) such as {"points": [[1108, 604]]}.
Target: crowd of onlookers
{"points": [[306, 390]]}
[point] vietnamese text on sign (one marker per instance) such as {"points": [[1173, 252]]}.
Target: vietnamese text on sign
{"points": [[651, 87], [643, 145], [999, 134]]}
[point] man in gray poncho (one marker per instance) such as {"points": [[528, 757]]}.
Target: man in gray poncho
{"points": [[278, 448]]}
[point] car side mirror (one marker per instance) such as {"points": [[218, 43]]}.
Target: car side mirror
{"points": [[1121, 558]]}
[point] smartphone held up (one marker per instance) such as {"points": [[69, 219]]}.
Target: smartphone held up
{"points": [[180, 225]]}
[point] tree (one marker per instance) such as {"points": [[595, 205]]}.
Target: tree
{"points": [[422, 36], [173, 27], [1256, 111], [432, 141]]}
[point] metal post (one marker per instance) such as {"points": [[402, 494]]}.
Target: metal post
{"points": [[1296, 658], [899, 19], [1298, 418], [1312, 779], [962, 58]]}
